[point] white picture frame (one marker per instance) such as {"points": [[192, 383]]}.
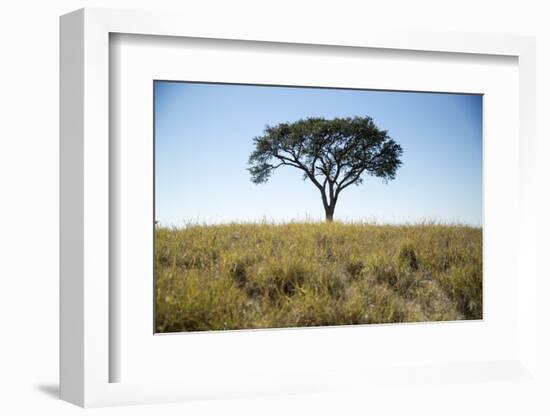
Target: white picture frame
{"points": [[86, 356]]}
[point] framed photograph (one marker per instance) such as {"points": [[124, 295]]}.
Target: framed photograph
{"points": [[279, 212]]}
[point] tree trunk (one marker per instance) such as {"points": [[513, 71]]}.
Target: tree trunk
{"points": [[329, 205], [329, 214]]}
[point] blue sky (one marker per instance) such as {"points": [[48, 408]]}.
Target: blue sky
{"points": [[203, 137]]}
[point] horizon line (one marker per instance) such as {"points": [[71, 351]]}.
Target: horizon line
{"points": [[266, 221]]}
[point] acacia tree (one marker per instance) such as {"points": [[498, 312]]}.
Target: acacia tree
{"points": [[332, 154]]}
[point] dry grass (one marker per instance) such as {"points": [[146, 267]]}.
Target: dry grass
{"points": [[241, 276]]}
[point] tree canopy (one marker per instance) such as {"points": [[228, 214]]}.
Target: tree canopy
{"points": [[332, 154]]}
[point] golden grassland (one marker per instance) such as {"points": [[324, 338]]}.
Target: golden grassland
{"points": [[244, 276]]}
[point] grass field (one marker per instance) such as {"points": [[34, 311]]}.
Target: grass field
{"points": [[240, 276]]}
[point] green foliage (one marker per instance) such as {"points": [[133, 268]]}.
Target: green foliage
{"points": [[239, 276]]}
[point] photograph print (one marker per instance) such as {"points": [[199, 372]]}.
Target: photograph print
{"points": [[290, 207]]}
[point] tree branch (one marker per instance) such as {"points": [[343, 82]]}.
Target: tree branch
{"points": [[343, 185], [288, 161]]}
